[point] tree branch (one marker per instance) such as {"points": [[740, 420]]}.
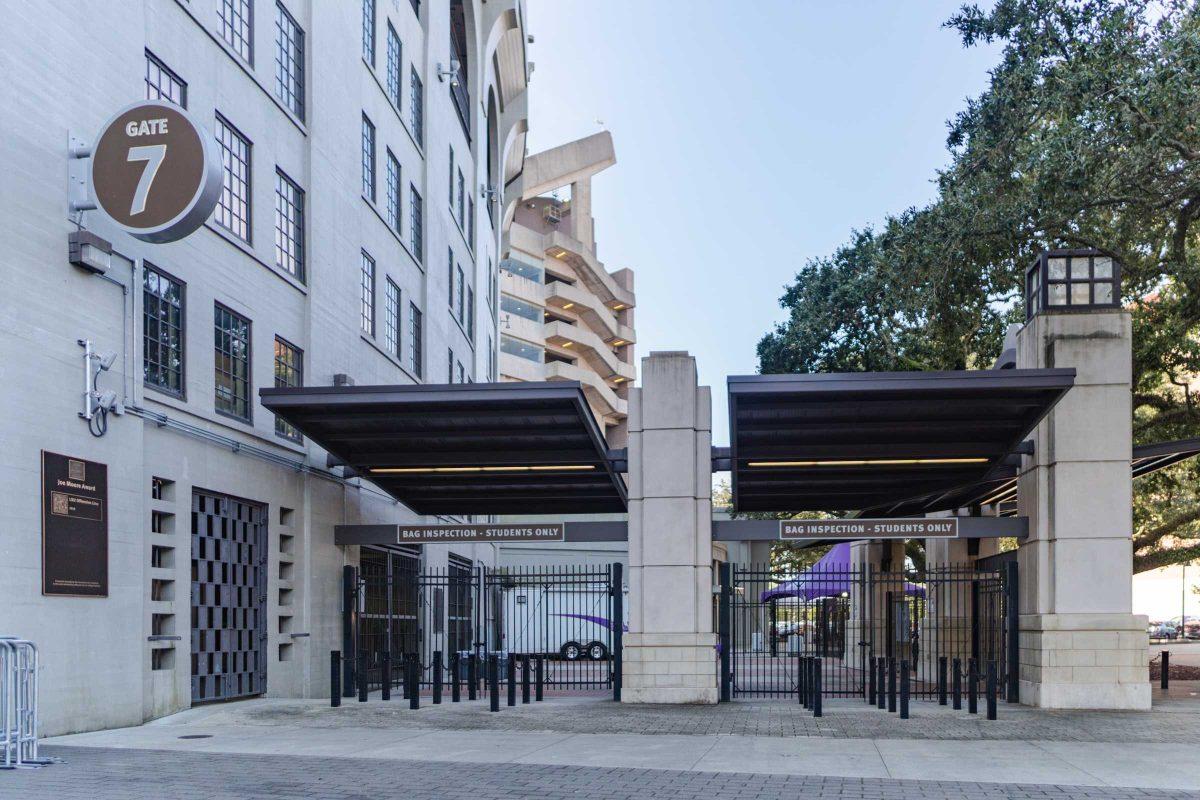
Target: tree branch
{"points": [[1165, 558]]}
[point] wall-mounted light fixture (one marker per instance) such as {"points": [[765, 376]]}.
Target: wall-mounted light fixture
{"points": [[88, 251], [451, 73]]}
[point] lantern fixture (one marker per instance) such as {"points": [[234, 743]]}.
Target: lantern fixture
{"points": [[1072, 280]]}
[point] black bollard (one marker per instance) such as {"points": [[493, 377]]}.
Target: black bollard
{"points": [[455, 683], [405, 689], [493, 677], [362, 678], [942, 680], [871, 682], [972, 686], [537, 690], [802, 672], [990, 688], [385, 680], [892, 675], [335, 678], [957, 678], [510, 676], [816, 686], [881, 684], [525, 679], [1164, 678], [904, 689], [414, 683], [472, 676], [437, 677]]}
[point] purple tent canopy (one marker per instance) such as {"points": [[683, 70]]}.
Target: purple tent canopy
{"points": [[831, 576]]}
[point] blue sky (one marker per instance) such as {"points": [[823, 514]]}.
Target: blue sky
{"points": [[750, 137]]}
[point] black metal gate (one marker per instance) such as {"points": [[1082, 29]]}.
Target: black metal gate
{"points": [[228, 597], [847, 616], [461, 615]]}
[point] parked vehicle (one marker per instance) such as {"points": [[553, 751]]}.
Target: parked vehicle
{"points": [[572, 623], [1162, 630]]}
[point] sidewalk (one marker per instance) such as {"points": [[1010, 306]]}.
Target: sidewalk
{"points": [[1147, 750]]}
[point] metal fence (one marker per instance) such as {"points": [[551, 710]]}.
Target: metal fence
{"points": [[770, 621], [450, 620], [19, 704]]}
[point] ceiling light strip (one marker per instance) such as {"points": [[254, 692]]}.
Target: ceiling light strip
{"points": [[460, 470], [867, 462]]}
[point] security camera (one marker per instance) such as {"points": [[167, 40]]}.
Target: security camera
{"points": [[105, 360], [106, 399]]}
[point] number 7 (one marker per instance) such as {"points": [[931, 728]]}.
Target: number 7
{"points": [[153, 155]]}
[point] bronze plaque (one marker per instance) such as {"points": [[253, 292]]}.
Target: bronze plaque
{"points": [[491, 532], [854, 529], [74, 526], [156, 171]]}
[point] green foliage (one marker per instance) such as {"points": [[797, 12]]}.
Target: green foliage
{"points": [[1087, 136]]}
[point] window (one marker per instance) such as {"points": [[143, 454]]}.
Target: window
{"points": [[417, 100], [415, 345], [521, 269], [368, 159], [462, 285], [511, 305], [516, 347], [289, 371], [289, 226], [237, 18], [233, 209], [391, 318], [471, 314], [367, 294], [450, 177], [462, 373], [462, 199], [162, 83], [162, 331], [491, 287], [417, 223], [491, 357], [450, 279], [449, 366], [289, 61], [471, 222], [232, 363], [368, 31], [394, 52], [393, 192]]}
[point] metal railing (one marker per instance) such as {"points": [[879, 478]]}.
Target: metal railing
{"points": [[18, 704]]}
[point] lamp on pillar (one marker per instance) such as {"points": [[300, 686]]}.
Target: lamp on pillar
{"points": [[1081, 645], [1072, 280]]}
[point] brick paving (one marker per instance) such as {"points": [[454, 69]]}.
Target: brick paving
{"points": [[842, 719], [108, 774]]}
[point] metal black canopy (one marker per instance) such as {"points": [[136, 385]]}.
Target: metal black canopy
{"points": [[1000, 486], [833, 442], [476, 448]]}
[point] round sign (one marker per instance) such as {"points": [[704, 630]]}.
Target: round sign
{"points": [[156, 171]]}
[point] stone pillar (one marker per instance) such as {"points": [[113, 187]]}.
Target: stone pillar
{"points": [[1080, 644], [869, 601], [670, 649]]}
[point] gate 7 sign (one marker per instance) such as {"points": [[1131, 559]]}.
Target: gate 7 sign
{"points": [[156, 171]]}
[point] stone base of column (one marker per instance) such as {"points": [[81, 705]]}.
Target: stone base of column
{"points": [[1095, 661], [676, 668]]}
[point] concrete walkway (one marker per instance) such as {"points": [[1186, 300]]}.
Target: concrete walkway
{"points": [[258, 727]]}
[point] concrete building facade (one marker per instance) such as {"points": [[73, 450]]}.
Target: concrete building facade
{"points": [[357, 240], [563, 315]]}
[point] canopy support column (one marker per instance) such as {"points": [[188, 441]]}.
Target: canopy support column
{"points": [[670, 647]]}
